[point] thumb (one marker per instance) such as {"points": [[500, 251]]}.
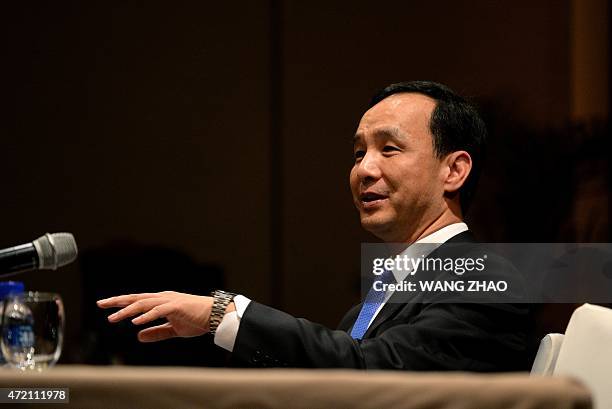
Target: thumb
{"points": [[157, 333]]}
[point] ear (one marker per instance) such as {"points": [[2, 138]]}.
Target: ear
{"points": [[458, 165]]}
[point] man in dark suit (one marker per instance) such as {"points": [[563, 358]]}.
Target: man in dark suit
{"points": [[417, 159]]}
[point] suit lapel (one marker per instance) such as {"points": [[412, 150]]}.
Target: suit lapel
{"points": [[397, 300], [347, 322]]}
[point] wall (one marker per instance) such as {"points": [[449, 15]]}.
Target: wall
{"points": [[224, 131]]}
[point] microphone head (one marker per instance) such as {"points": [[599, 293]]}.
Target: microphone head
{"points": [[55, 250]]}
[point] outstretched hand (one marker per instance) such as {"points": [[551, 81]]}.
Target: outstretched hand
{"points": [[187, 315]]}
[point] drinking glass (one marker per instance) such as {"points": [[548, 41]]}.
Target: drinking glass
{"points": [[32, 330]]}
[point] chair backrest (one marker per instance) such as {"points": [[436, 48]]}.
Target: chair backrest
{"points": [[586, 353], [546, 358]]}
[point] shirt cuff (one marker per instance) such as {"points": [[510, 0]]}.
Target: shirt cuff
{"points": [[241, 303], [226, 333]]}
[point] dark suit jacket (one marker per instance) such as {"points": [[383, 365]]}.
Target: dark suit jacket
{"points": [[409, 336]]}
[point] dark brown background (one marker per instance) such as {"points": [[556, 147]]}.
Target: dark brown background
{"points": [[222, 130]]}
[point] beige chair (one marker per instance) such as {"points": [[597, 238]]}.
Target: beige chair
{"points": [[547, 355], [584, 352]]}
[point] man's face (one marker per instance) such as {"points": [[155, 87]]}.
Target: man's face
{"points": [[397, 181]]}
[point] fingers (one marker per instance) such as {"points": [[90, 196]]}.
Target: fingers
{"points": [[124, 300], [157, 333], [137, 307], [156, 312], [187, 314]]}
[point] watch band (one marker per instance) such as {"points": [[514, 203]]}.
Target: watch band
{"points": [[221, 300]]}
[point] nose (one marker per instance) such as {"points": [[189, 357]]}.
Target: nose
{"points": [[368, 168]]}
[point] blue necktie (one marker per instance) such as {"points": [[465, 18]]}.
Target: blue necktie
{"points": [[373, 300]]}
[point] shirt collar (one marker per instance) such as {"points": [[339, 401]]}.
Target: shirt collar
{"points": [[436, 238], [444, 234]]}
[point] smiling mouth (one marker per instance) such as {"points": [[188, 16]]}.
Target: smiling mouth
{"points": [[372, 200]]}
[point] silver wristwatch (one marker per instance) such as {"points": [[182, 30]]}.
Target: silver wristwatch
{"points": [[221, 300]]}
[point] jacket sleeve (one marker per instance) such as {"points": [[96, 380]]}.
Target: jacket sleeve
{"points": [[445, 336]]}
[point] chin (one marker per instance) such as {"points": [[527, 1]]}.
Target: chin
{"points": [[377, 225]]}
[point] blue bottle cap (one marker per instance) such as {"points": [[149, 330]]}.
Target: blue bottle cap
{"points": [[10, 287]]}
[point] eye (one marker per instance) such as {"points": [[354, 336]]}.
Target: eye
{"points": [[391, 148], [359, 154]]}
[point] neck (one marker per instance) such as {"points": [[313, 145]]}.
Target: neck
{"points": [[447, 217], [443, 220]]}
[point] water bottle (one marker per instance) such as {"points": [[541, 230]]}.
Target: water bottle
{"points": [[7, 288]]}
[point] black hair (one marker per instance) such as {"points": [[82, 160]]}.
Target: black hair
{"points": [[455, 125]]}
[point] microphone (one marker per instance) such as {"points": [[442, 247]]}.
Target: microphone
{"points": [[45, 253]]}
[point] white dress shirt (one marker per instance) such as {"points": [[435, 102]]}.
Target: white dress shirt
{"points": [[225, 337]]}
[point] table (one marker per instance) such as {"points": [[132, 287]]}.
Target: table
{"points": [[120, 387]]}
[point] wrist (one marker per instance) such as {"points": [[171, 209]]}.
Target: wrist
{"points": [[220, 306]]}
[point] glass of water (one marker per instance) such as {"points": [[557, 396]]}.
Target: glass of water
{"points": [[32, 330]]}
